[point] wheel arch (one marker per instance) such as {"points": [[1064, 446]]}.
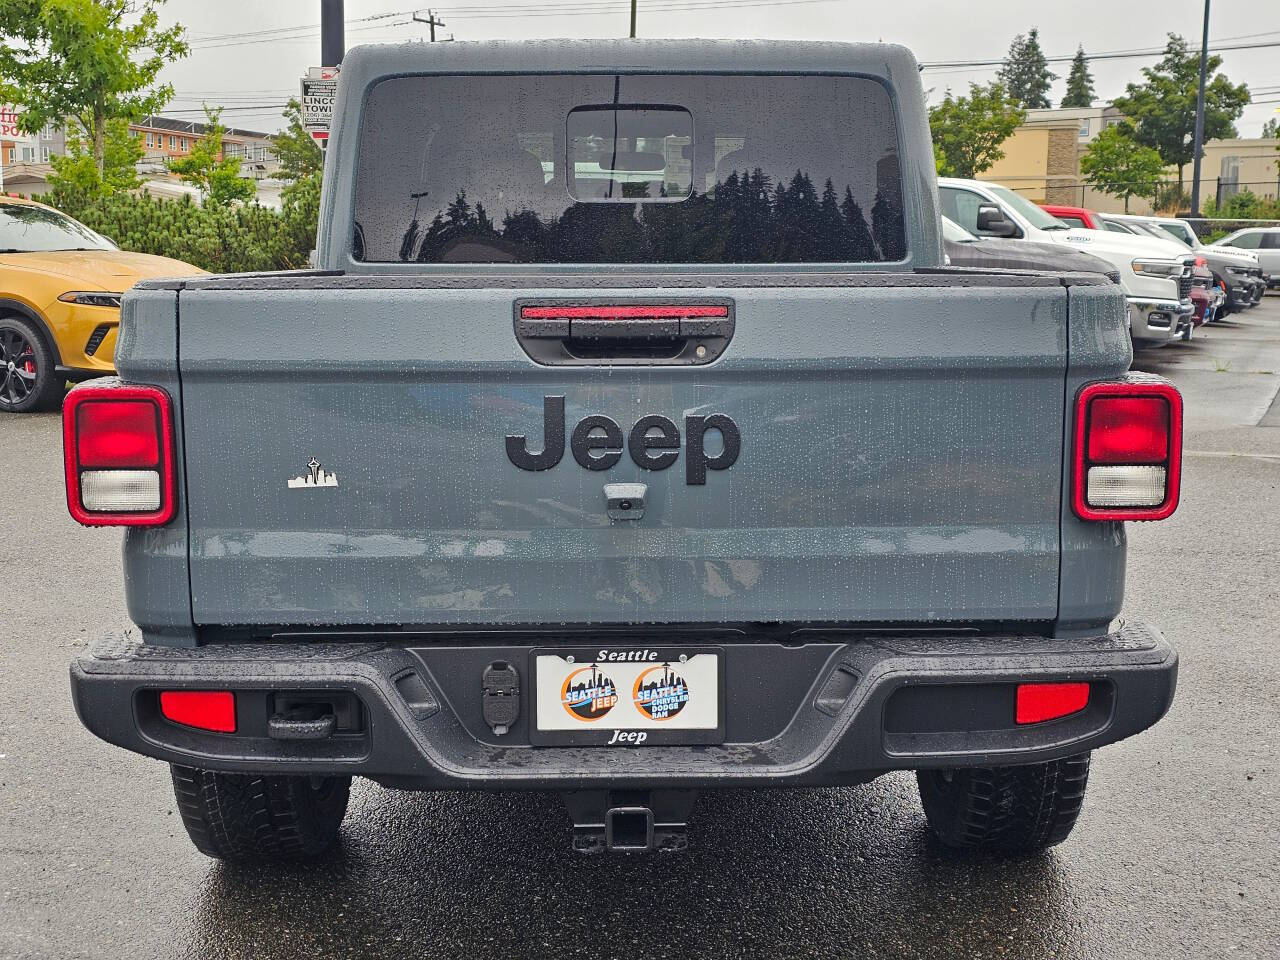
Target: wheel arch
{"points": [[11, 306]]}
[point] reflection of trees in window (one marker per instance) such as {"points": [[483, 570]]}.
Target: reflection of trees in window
{"points": [[887, 226], [746, 218]]}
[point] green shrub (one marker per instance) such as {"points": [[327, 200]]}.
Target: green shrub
{"points": [[220, 239]]}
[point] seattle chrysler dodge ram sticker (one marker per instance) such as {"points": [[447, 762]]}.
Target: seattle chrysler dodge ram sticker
{"points": [[659, 693]]}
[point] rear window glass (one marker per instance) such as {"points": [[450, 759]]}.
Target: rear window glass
{"points": [[628, 169]]}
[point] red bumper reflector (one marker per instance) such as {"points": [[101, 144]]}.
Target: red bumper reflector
{"points": [[1038, 702], [204, 709]]}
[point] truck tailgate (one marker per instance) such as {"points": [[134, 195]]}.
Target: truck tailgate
{"points": [[900, 457]]}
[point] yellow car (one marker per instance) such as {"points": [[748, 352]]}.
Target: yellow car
{"points": [[60, 289]]}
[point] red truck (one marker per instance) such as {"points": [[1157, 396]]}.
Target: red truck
{"points": [[1075, 216]]}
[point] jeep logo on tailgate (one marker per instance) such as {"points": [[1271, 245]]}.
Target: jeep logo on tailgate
{"points": [[654, 443]]}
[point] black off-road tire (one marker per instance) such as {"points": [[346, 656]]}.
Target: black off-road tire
{"points": [[234, 816], [1009, 810], [23, 391]]}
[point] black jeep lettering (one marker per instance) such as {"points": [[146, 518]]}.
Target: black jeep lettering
{"points": [[584, 443], [597, 442], [696, 461], [552, 443]]}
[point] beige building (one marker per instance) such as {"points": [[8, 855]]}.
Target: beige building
{"points": [[1230, 166], [1042, 162]]}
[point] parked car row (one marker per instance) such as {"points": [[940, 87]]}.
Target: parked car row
{"points": [[1238, 273], [1173, 283], [1157, 275]]}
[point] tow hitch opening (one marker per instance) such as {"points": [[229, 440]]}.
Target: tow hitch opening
{"points": [[630, 821]]}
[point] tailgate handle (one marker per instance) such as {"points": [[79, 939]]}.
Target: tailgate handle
{"points": [[671, 332]]}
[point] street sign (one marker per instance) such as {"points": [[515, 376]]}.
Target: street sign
{"points": [[319, 93]]}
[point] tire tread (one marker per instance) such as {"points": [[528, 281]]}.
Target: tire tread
{"points": [[248, 817]]}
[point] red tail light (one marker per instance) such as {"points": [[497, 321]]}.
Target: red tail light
{"points": [[117, 444], [204, 709], [1128, 450], [1038, 702]]}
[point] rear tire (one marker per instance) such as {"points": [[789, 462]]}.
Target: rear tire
{"points": [[29, 380], [232, 816], [1007, 810]]}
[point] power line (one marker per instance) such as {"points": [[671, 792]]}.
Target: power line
{"points": [[200, 41], [1116, 55], [574, 9]]}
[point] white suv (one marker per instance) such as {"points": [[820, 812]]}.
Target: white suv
{"points": [[1155, 274], [1263, 243]]}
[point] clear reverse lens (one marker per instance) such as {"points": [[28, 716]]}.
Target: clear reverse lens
{"points": [[120, 491], [1126, 486]]}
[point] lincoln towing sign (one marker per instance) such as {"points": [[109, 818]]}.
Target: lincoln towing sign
{"points": [[319, 92]]}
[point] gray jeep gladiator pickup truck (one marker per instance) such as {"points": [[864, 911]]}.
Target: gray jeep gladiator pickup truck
{"points": [[629, 439]]}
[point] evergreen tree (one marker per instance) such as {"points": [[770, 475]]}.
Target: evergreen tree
{"points": [[862, 245], [524, 229], [834, 232], [887, 227], [1080, 91], [459, 212], [1026, 73]]}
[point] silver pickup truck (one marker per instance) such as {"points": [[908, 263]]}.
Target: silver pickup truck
{"points": [[630, 439]]}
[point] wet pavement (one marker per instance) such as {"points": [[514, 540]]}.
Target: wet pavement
{"points": [[1176, 854]]}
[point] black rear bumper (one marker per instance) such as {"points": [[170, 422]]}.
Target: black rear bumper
{"points": [[829, 711]]}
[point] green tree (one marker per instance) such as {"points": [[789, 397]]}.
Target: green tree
{"points": [[1163, 107], [1025, 73], [967, 131], [1271, 129], [1080, 91], [217, 176], [93, 61], [299, 154], [78, 168], [1118, 165]]}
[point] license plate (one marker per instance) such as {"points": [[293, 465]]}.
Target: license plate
{"points": [[628, 696]]}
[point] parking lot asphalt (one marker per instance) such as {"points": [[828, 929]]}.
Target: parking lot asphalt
{"points": [[1175, 855]]}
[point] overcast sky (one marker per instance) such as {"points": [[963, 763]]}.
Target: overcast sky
{"points": [[248, 54]]}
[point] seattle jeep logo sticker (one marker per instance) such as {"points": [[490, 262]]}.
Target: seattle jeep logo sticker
{"points": [[588, 694], [654, 443]]}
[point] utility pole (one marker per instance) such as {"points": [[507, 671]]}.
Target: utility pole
{"points": [[431, 21], [1199, 138], [633, 19], [332, 40]]}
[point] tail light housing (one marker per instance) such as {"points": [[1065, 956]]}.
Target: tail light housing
{"points": [[117, 445], [1128, 450]]}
